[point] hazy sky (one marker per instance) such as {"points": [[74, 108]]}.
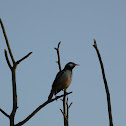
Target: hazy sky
{"points": [[38, 26]]}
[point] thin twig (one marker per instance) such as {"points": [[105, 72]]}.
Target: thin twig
{"points": [[70, 104], [64, 98], [24, 58], [4, 113], [40, 107], [13, 71], [68, 107], [63, 114], [7, 59], [106, 85], [57, 49], [7, 42]]}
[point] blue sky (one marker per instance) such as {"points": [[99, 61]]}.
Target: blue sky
{"points": [[38, 26]]}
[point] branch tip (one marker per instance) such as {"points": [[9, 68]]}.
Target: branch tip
{"points": [[59, 44], [57, 49], [7, 42], [105, 84], [24, 58], [70, 104], [95, 44]]}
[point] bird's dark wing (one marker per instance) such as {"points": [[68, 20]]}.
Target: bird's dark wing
{"points": [[58, 77], [55, 83]]}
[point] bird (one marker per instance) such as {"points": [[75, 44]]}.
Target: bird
{"points": [[62, 79]]}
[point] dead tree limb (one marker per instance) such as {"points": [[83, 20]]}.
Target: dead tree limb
{"points": [[64, 98], [68, 107], [105, 83], [58, 54], [7, 59], [7, 42], [24, 58], [65, 111], [40, 107], [13, 72]]}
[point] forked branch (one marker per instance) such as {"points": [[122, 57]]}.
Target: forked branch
{"points": [[39, 108], [7, 42], [65, 108], [24, 58], [66, 116], [105, 83], [13, 71]]}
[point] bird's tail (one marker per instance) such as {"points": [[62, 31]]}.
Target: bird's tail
{"points": [[50, 95]]}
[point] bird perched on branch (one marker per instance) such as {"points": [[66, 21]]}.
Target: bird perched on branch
{"points": [[63, 79]]}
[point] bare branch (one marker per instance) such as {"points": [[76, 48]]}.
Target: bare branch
{"points": [[70, 104], [67, 108], [4, 113], [7, 43], [13, 71], [64, 98], [64, 108], [57, 49], [63, 114], [14, 90], [105, 83], [24, 58], [7, 59], [39, 108]]}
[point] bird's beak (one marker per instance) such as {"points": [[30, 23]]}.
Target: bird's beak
{"points": [[76, 65]]}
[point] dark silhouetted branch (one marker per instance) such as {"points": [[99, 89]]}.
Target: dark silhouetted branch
{"points": [[7, 59], [14, 89], [24, 58], [57, 49], [39, 108], [64, 108], [13, 71], [64, 115], [64, 98], [68, 107], [106, 85], [7, 42], [4, 113]]}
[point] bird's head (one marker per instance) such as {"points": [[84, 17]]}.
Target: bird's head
{"points": [[70, 65]]}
